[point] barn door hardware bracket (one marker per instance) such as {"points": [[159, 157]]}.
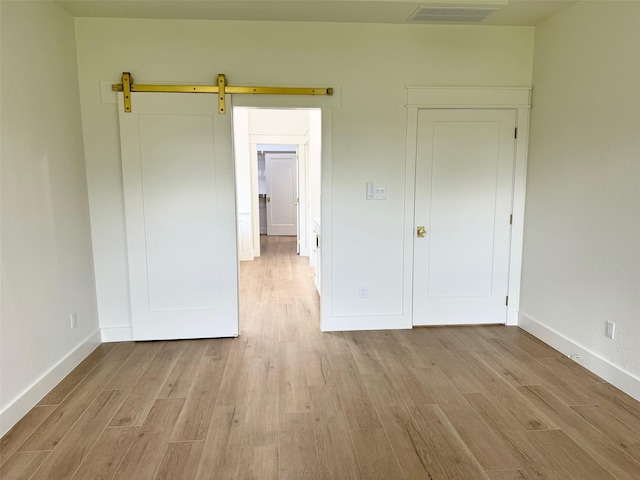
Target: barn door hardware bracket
{"points": [[220, 89]]}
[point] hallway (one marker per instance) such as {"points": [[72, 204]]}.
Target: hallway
{"points": [[278, 299]]}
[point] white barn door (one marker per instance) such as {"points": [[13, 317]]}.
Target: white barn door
{"points": [[178, 178], [464, 182]]}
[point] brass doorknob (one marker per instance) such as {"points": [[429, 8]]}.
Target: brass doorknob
{"points": [[268, 199], [421, 232]]}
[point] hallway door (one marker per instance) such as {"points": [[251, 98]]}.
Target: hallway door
{"points": [[282, 192], [464, 182]]}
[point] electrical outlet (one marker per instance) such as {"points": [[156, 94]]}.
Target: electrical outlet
{"points": [[73, 318], [362, 292], [611, 330]]}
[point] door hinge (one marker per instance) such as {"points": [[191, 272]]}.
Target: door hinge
{"points": [[511, 219], [515, 134], [506, 302]]}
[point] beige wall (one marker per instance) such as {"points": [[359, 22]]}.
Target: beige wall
{"points": [[582, 226], [47, 270], [372, 65]]}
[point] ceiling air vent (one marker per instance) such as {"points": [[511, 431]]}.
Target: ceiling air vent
{"points": [[451, 14]]}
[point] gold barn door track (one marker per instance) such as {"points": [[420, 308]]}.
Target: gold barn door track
{"points": [[221, 88]]}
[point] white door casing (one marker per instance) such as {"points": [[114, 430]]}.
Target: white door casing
{"points": [[282, 189], [297, 201], [178, 177], [464, 184]]}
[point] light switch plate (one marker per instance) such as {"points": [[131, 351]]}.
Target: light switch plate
{"points": [[380, 193]]}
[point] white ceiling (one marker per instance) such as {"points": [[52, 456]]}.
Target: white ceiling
{"points": [[514, 12]]}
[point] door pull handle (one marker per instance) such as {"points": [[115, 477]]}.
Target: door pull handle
{"points": [[421, 232]]}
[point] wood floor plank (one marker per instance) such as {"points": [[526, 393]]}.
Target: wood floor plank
{"points": [[107, 453], [518, 474], [23, 429], [293, 392], [69, 453], [262, 409], [307, 307], [182, 375], [286, 315], [528, 343], [333, 441], [407, 439], [135, 365], [488, 450], [617, 404], [223, 444], [526, 413], [317, 366], [146, 452], [181, 461], [356, 401], [624, 436], [455, 367], [447, 446], [401, 369], [416, 354], [337, 346], [392, 352], [259, 462], [195, 418], [512, 372], [364, 354], [297, 448], [547, 377], [573, 378], [71, 381], [557, 446], [56, 425], [21, 465], [120, 352], [143, 395], [375, 455], [587, 437], [267, 319], [515, 439], [234, 388]]}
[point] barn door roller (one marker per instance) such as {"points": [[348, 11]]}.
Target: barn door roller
{"points": [[221, 88]]}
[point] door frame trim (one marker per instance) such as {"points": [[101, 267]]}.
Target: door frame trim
{"points": [[326, 106], [485, 98]]}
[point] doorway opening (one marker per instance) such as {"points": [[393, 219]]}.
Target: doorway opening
{"points": [[278, 183]]}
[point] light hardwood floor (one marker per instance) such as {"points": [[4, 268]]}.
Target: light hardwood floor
{"points": [[284, 401]]}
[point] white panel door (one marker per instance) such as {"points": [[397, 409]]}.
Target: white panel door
{"points": [[282, 190], [178, 178], [464, 179]]}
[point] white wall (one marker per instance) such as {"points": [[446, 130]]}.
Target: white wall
{"points": [[582, 226], [372, 65], [47, 270]]}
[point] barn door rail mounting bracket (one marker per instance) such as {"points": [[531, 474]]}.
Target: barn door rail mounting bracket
{"points": [[220, 89]]}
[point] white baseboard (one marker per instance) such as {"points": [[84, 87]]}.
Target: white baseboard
{"points": [[593, 362], [17, 409], [116, 334], [365, 322]]}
